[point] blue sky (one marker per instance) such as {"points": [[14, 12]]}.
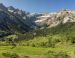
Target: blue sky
{"points": [[40, 5]]}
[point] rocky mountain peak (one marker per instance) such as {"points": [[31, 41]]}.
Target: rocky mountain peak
{"points": [[11, 9], [2, 7], [54, 19]]}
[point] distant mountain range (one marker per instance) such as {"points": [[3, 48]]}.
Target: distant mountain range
{"points": [[16, 20]]}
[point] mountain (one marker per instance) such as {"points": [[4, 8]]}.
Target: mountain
{"points": [[54, 19], [12, 19], [15, 20], [2, 7]]}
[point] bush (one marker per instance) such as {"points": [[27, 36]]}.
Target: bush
{"points": [[26, 57], [50, 43], [10, 55], [52, 54], [72, 39], [62, 55]]}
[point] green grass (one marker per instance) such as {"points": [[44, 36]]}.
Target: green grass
{"points": [[33, 51]]}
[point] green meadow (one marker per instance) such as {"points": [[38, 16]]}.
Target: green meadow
{"points": [[34, 52]]}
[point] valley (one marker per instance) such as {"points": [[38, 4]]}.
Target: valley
{"points": [[36, 35]]}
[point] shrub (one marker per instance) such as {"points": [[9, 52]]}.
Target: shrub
{"points": [[72, 39], [52, 54], [62, 55], [33, 45], [26, 57], [10, 55], [50, 43], [7, 54]]}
